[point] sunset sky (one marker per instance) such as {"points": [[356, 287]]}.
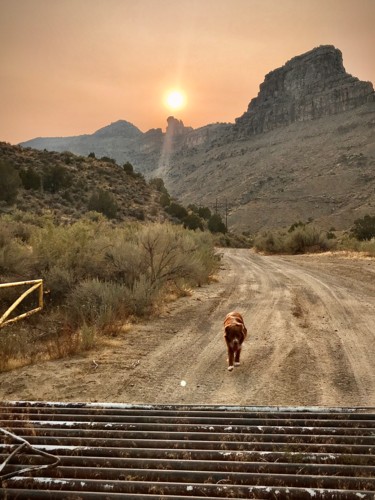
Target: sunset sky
{"points": [[69, 67]]}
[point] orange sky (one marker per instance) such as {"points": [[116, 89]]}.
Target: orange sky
{"points": [[69, 67]]}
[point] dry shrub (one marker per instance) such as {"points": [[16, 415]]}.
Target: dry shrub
{"points": [[94, 302], [269, 242], [368, 247], [59, 282], [88, 335], [303, 239], [97, 276], [171, 253], [306, 239], [15, 258], [352, 244], [11, 349]]}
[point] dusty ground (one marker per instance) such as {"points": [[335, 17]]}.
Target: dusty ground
{"points": [[311, 323]]}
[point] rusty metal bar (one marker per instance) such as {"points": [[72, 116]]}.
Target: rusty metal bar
{"points": [[204, 464], [262, 457], [259, 492], [36, 284], [265, 429], [184, 490], [179, 452], [71, 430], [211, 418]]}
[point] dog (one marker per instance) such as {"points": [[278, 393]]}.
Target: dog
{"points": [[234, 334]]}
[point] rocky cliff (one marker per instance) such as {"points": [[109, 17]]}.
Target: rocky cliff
{"points": [[307, 87]]}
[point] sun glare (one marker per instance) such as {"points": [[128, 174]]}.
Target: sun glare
{"points": [[175, 99]]}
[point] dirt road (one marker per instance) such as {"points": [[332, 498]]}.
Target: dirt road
{"points": [[311, 323]]}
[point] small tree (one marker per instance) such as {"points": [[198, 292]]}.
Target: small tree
{"points": [[158, 183], [107, 159], [193, 207], [193, 221], [177, 210], [55, 178], [128, 168], [216, 225], [103, 202], [30, 179], [10, 182], [164, 200], [364, 228], [204, 212]]}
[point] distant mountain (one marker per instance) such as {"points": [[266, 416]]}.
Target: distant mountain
{"points": [[121, 128], [304, 149]]}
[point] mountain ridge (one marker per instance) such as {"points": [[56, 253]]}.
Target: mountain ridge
{"points": [[247, 163]]}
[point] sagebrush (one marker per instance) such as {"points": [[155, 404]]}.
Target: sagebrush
{"points": [[96, 275]]}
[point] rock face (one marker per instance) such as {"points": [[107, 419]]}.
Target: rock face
{"points": [[176, 127], [307, 87]]}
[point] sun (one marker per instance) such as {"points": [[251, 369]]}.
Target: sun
{"points": [[175, 99]]}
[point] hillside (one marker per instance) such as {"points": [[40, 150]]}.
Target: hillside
{"points": [[304, 149], [76, 180], [322, 169]]}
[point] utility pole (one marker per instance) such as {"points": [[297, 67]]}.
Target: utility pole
{"points": [[226, 214]]}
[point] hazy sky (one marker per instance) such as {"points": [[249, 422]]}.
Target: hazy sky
{"points": [[69, 67]]}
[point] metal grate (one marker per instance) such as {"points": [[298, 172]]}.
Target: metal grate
{"points": [[157, 451]]}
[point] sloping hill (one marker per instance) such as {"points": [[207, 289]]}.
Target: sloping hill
{"points": [[322, 169], [65, 184]]}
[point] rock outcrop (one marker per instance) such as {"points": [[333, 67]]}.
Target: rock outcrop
{"points": [[307, 87]]}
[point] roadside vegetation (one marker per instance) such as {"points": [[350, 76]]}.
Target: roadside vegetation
{"points": [[308, 238], [97, 278], [112, 248]]}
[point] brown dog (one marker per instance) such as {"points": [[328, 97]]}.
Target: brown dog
{"points": [[234, 334]]}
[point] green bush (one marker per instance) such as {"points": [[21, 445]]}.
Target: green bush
{"points": [[56, 178], [176, 210], [10, 182], [364, 228], [158, 184], [193, 221], [165, 200], [216, 225], [103, 202], [128, 168], [30, 179], [204, 212]]}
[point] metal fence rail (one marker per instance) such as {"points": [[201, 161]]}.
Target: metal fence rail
{"points": [[91, 451], [35, 285]]}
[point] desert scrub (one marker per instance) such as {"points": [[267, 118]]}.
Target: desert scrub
{"points": [[349, 243], [301, 239], [97, 275], [95, 302]]}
